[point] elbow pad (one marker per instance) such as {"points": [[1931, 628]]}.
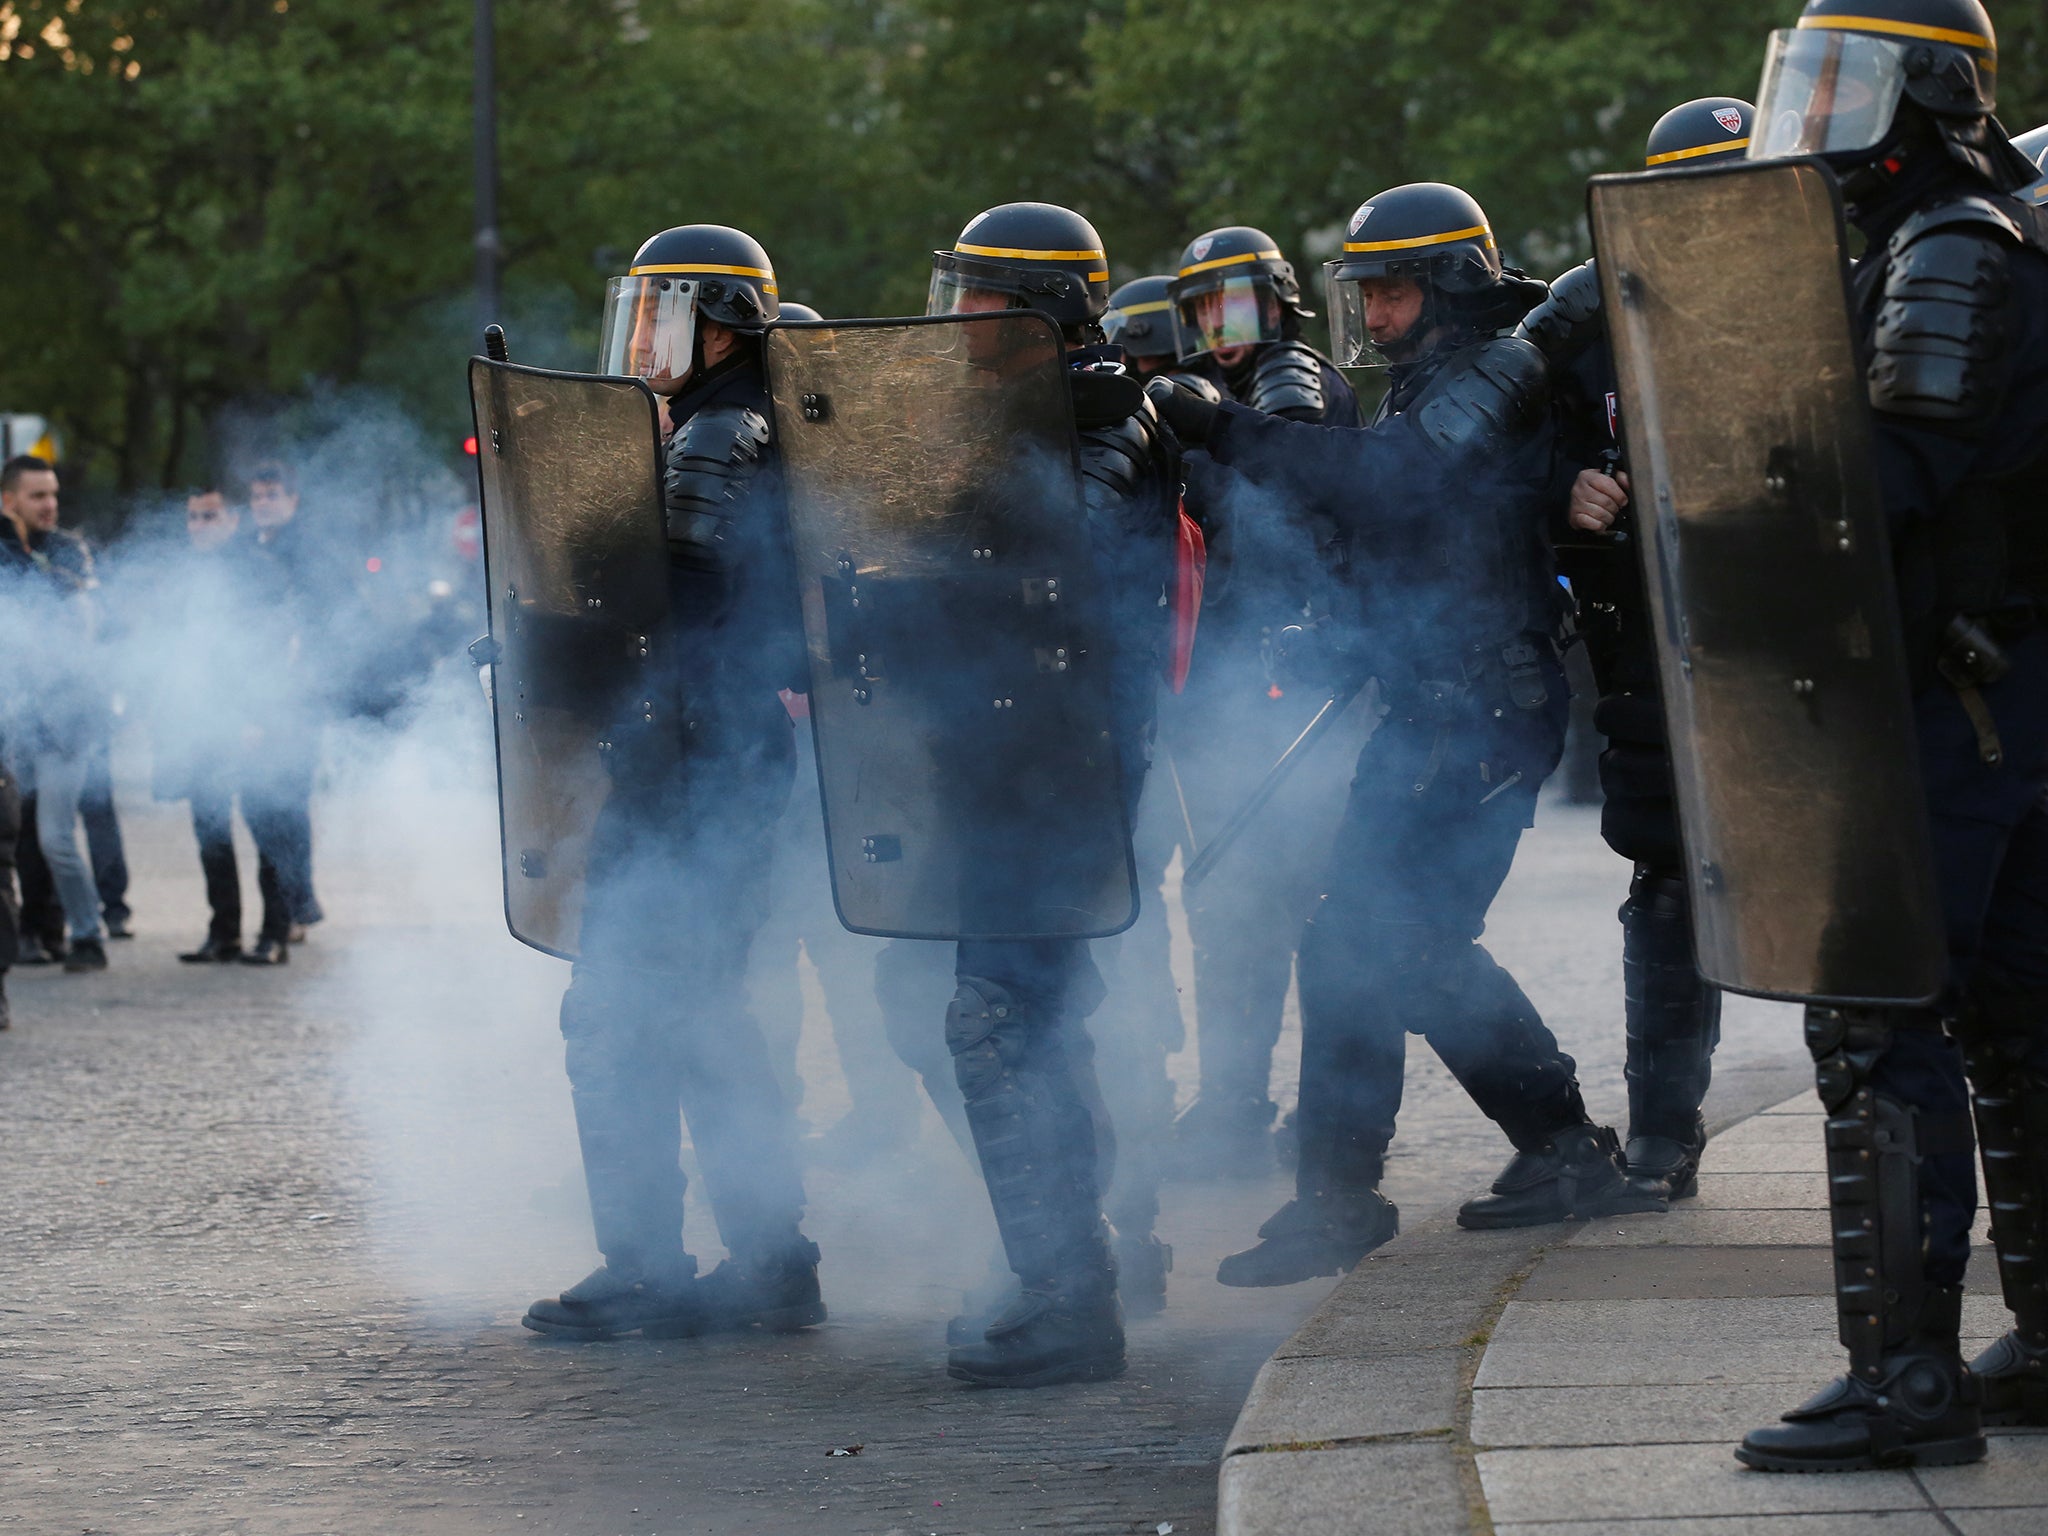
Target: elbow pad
{"points": [[1488, 397]]}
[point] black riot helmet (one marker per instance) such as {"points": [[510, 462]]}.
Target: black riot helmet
{"points": [[1024, 256], [1233, 288], [1140, 319], [794, 311], [1437, 237], [1857, 82], [1708, 131], [650, 314]]}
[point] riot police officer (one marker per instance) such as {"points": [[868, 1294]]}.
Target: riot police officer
{"points": [[655, 1020], [1439, 510], [1950, 305], [1016, 1025], [1237, 312], [1673, 1019]]}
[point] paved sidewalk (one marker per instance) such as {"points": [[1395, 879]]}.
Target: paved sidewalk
{"points": [[1595, 1379]]}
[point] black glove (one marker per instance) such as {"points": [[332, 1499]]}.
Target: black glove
{"points": [[1191, 417]]}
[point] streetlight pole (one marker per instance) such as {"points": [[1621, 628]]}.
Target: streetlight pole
{"points": [[485, 116]]}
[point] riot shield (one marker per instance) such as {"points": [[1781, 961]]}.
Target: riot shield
{"points": [[959, 642], [569, 469], [1763, 544]]}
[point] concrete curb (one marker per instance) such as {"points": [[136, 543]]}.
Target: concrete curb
{"points": [[1360, 1420]]}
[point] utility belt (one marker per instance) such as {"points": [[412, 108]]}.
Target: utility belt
{"points": [[1971, 656], [1524, 665]]}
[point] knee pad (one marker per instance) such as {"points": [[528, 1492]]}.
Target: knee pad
{"points": [[986, 1030]]}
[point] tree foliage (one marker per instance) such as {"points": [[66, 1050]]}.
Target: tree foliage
{"points": [[219, 207]]}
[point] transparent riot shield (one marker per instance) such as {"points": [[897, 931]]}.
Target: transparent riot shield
{"points": [[1763, 541], [959, 643], [575, 561]]}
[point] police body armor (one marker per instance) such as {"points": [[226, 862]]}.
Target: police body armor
{"points": [[963, 664], [570, 496], [1769, 581]]}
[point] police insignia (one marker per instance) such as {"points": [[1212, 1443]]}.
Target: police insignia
{"points": [[1728, 118]]}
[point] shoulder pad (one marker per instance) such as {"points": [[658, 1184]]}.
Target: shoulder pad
{"points": [[1118, 460], [1940, 319], [1972, 210], [1287, 380], [1569, 321], [1485, 397], [711, 459], [1195, 384]]}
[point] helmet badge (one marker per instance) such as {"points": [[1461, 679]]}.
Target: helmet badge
{"points": [[1728, 118], [1358, 219], [1200, 249]]}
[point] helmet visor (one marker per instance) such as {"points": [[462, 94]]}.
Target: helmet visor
{"points": [[1143, 330], [1237, 312], [1400, 305], [966, 293], [1826, 92], [649, 326]]}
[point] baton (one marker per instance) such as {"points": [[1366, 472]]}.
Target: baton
{"points": [[1276, 775]]}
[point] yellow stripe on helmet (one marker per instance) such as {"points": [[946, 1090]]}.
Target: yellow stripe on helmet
{"points": [[702, 266], [1355, 246], [1228, 261], [1017, 255], [1693, 154], [1915, 29], [1144, 309]]}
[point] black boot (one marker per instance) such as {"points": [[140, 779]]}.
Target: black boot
{"points": [[86, 955], [1313, 1236], [1574, 1176], [215, 951], [1071, 1330], [268, 951], [1224, 1138], [2013, 1376], [1914, 1406], [1907, 1400], [1674, 1024], [1142, 1265], [774, 1290], [980, 1307], [659, 1299], [2009, 1097]]}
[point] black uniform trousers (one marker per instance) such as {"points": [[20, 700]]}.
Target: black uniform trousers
{"points": [[1441, 798], [1990, 835], [655, 1021]]}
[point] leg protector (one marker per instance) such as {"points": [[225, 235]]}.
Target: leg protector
{"points": [[1674, 1024], [1873, 1187], [2009, 1094], [1034, 1135]]}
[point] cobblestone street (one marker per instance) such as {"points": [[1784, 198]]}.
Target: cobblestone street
{"points": [[265, 1237]]}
